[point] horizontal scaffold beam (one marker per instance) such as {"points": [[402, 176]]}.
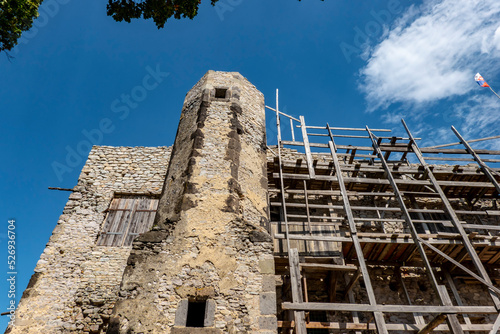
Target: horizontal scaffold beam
{"points": [[382, 239], [386, 182], [395, 148], [424, 309], [455, 170], [372, 208], [390, 327]]}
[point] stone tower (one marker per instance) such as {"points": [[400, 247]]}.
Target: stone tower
{"points": [[205, 262]]}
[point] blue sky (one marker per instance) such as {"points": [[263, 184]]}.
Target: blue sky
{"points": [[349, 63]]}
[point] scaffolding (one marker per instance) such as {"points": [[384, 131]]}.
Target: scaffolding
{"points": [[339, 211]]}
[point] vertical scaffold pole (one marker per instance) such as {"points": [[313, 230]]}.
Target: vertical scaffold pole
{"points": [[300, 325], [379, 316]]}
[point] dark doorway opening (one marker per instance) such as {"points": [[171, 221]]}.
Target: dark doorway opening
{"points": [[196, 314]]}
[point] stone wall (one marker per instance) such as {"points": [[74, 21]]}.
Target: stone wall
{"points": [[75, 283]]}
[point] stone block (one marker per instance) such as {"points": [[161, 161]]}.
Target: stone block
{"points": [[266, 266], [260, 236], [207, 291], [195, 330], [181, 313], [152, 236], [268, 303], [210, 313], [268, 283], [268, 323]]}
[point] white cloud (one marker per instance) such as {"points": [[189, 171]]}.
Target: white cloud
{"points": [[496, 39], [433, 52]]}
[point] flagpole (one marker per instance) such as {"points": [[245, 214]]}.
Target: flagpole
{"points": [[494, 92]]}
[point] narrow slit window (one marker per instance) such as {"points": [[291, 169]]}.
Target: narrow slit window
{"points": [[220, 93], [196, 314]]}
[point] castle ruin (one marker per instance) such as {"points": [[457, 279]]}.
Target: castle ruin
{"points": [[333, 230]]}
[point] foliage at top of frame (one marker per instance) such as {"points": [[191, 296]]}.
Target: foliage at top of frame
{"points": [[158, 10], [16, 16]]}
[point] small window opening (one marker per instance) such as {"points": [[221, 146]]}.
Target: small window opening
{"points": [[220, 93], [196, 314]]}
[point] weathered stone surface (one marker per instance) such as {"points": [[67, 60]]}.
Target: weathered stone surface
{"points": [[260, 236], [269, 323], [195, 330], [268, 283], [266, 265], [268, 303], [76, 283], [181, 313], [152, 236], [212, 206]]}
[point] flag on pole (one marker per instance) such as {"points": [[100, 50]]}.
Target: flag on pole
{"points": [[480, 81]]}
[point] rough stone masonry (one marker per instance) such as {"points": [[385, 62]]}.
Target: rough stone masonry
{"points": [[206, 261], [207, 245], [76, 282]]}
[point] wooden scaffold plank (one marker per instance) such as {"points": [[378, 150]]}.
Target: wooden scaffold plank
{"points": [[425, 309], [293, 256], [297, 295], [307, 149]]}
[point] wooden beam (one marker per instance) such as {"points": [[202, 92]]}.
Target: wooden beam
{"points": [[307, 207], [470, 141], [476, 157], [419, 319], [425, 309], [391, 327], [307, 148], [352, 300], [496, 326], [454, 219], [380, 238], [439, 319], [327, 267], [370, 208], [297, 294], [351, 283], [454, 290], [401, 149], [292, 259], [379, 318], [367, 180], [452, 321], [61, 189], [489, 284]]}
